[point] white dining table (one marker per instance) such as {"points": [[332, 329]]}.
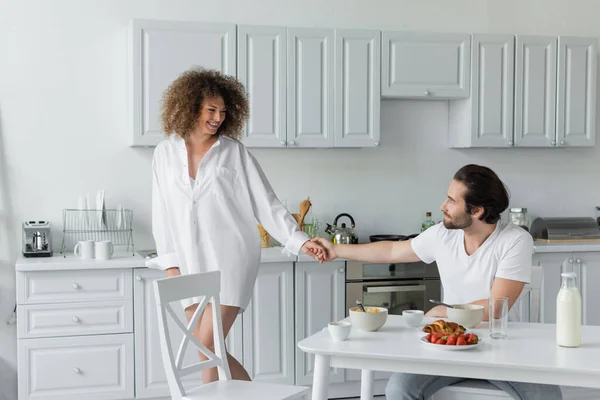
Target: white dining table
{"points": [[528, 354]]}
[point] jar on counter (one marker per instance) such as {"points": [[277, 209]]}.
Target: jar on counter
{"points": [[518, 216]]}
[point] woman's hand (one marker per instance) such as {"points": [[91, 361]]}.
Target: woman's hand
{"points": [[314, 250], [328, 246]]}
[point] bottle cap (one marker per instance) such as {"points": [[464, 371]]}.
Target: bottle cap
{"points": [[428, 213], [568, 275]]}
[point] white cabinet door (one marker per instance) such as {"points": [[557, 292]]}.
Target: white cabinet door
{"points": [[310, 87], [269, 325], [587, 267], [320, 297], [427, 65], [150, 380], [160, 52], [492, 91], [554, 264], [535, 91], [576, 94], [357, 88], [262, 54]]}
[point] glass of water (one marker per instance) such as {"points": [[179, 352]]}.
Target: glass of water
{"points": [[498, 317]]}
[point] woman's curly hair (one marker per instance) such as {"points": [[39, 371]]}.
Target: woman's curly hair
{"points": [[183, 99]]}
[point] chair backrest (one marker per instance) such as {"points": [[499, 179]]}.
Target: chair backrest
{"points": [[173, 289]]}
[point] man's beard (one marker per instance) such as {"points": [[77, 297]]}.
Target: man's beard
{"points": [[462, 222]]}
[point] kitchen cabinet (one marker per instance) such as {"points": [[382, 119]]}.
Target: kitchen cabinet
{"points": [[425, 65], [268, 325], [486, 118], [159, 52], [587, 267], [535, 91], [150, 379], [262, 56], [310, 74], [576, 91], [357, 88], [319, 299]]}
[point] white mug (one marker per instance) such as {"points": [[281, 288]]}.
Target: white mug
{"points": [[104, 250], [84, 249], [339, 330]]}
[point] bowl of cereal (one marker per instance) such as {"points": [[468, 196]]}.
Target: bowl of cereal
{"points": [[369, 320]]}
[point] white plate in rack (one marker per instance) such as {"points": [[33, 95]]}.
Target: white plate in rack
{"points": [[449, 348]]}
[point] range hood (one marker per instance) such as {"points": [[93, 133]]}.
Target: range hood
{"points": [[568, 229]]}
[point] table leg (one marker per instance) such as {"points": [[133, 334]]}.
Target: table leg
{"points": [[366, 385], [320, 377]]}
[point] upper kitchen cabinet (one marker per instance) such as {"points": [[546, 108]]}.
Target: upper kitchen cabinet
{"points": [[486, 118], [310, 74], [535, 91], [576, 93], [425, 65], [262, 54], [357, 88], [161, 51]]}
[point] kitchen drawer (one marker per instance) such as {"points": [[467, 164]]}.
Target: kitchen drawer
{"points": [[74, 286], [72, 319], [75, 368]]}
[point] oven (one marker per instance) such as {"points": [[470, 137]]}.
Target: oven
{"points": [[397, 287]]}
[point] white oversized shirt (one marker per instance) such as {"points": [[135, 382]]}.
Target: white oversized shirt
{"points": [[507, 253], [211, 223]]}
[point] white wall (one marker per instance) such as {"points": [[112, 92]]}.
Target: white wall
{"points": [[64, 124]]}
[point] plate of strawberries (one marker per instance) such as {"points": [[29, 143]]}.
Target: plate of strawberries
{"points": [[451, 340]]}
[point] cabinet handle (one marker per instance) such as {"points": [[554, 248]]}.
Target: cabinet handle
{"points": [[562, 142], [578, 261], [282, 143], [376, 143], [76, 370], [292, 143], [427, 93], [553, 142], [75, 319], [570, 261], [510, 143], [138, 278], [342, 270], [75, 286]]}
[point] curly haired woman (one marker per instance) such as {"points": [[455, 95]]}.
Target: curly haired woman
{"points": [[208, 193]]}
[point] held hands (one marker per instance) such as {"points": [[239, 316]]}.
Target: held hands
{"points": [[327, 246], [314, 250]]}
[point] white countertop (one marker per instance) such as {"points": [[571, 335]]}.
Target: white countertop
{"points": [[126, 260], [541, 247]]}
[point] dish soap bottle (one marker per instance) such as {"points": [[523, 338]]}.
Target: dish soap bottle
{"points": [[428, 222], [568, 312]]}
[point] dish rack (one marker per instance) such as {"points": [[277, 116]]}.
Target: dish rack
{"points": [[98, 225]]}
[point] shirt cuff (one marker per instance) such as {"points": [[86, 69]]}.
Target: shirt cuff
{"points": [[295, 242], [164, 261]]}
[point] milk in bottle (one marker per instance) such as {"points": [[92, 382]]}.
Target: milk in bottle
{"points": [[568, 312]]}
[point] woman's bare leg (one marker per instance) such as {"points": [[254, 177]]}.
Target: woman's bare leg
{"points": [[204, 332]]}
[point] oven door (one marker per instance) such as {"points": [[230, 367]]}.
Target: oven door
{"points": [[396, 296]]}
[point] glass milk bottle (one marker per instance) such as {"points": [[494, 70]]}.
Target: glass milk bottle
{"points": [[568, 312]]}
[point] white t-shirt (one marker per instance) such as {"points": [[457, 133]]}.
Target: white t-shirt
{"points": [[507, 253]]}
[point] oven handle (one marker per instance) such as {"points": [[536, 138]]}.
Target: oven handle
{"points": [[392, 289]]}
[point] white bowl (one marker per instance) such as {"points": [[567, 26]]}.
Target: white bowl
{"points": [[468, 315], [339, 330], [368, 321], [413, 318]]}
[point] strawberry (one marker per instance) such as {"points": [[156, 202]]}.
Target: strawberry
{"points": [[428, 337], [472, 339], [461, 341], [451, 340]]}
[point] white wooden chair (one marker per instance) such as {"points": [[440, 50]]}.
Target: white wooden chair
{"points": [[206, 286], [479, 389]]}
